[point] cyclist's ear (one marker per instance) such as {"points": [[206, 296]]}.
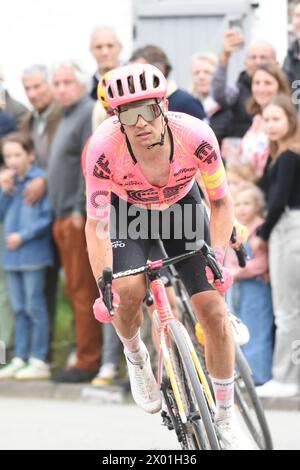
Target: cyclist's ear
{"points": [[166, 104]]}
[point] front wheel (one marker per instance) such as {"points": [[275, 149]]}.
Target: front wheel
{"points": [[200, 428]]}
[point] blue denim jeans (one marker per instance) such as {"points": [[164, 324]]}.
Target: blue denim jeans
{"points": [[251, 300], [27, 295]]}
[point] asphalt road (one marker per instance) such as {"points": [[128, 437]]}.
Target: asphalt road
{"points": [[50, 424]]}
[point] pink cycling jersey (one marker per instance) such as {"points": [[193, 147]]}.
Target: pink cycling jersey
{"points": [[111, 167]]}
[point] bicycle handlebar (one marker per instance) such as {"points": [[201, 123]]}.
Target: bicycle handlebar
{"points": [[155, 266]]}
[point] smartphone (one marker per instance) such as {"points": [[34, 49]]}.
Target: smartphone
{"points": [[236, 24]]}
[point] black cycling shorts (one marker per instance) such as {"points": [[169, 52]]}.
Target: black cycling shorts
{"points": [[135, 231]]}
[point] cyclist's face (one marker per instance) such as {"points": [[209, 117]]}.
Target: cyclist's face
{"points": [[143, 133], [245, 207], [276, 123]]}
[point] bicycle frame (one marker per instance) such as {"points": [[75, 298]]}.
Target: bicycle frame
{"points": [[166, 315]]}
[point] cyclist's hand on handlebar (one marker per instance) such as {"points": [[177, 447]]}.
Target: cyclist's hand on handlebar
{"points": [[100, 310], [227, 276]]}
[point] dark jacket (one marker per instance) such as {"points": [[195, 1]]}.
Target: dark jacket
{"points": [[7, 124], [241, 119], [15, 109], [233, 98], [219, 123], [95, 82], [292, 62], [182, 102]]}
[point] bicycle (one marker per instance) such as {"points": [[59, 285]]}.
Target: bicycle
{"points": [[183, 383]]}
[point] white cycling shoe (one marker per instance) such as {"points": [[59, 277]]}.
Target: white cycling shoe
{"points": [[144, 387], [232, 436], [240, 330]]}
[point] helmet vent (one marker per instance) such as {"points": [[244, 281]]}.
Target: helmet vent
{"points": [[143, 81], [120, 87], [130, 82], [156, 81], [109, 92]]}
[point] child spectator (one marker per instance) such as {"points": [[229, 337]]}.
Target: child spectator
{"points": [[237, 174], [250, 298], [27, 253]]}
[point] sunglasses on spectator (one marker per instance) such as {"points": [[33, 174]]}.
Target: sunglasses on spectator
{"points": [[149, 112]]}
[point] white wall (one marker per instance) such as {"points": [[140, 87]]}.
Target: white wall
{"points": [[46, 31], [271, 24]]}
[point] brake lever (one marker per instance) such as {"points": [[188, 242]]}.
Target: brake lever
{"points": [[107, 277], [212, 262]]}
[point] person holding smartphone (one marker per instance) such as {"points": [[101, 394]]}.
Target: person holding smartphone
{"points": [[236, 97]]}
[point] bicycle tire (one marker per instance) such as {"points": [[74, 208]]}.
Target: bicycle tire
{"points": [[263, 439], [175, 332]]}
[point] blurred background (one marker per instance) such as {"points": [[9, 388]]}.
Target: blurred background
{"points": [[45, 32]]}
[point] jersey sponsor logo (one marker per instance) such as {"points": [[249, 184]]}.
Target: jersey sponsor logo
{"points": [[133, 183], [99, 199], [189, 178], [216, 179], [146, 195], [173, 191], [130, 271], [211, 158], [203, 150], [206, 153], [185, 170], [101, 169]]}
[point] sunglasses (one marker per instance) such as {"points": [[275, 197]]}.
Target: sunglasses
{"points": [[149, 112]]}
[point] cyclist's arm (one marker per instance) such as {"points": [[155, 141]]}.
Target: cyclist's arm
{"points": [[221, 221], [98, 193], [99, 250], [213, 173]]}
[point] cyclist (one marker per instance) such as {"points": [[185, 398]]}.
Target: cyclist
{"points": [[144, 160]]}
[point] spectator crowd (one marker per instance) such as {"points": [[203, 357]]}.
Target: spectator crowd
{"points": [[42, 204]]}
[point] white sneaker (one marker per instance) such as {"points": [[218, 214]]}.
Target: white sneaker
{"points": [[240, 330], [273, 389], [106, 375], [232, 436], [144, 387], [9, 371], [36, 370]]}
